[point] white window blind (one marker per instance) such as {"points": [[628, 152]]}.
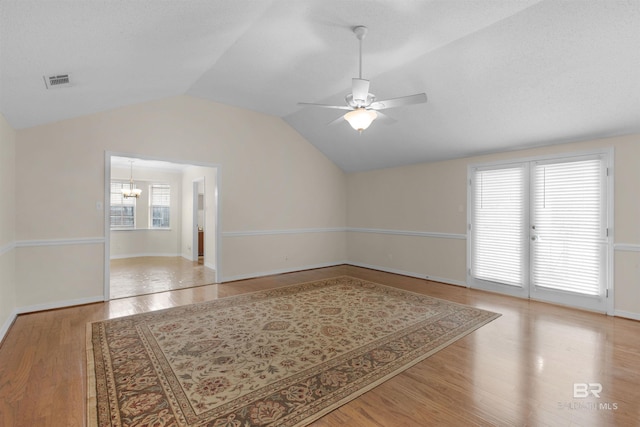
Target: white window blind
{"points": [[568, 217], [160, 205], [498, 225], [122, 209]]}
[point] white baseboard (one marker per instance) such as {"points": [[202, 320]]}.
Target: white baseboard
{"points": [[59, 304], [144, 255], [333, 264], [7, 324], [280, 271], [41, 307], [626, 314], [410, 274]]}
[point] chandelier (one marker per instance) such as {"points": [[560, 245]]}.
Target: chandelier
{"points": [[132, 191]]}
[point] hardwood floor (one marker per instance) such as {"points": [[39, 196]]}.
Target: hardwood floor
{"points": [[146, 275], [518, 370]]}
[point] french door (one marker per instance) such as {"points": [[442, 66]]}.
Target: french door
{"points": [[539, 229]]}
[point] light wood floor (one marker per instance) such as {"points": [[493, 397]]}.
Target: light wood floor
{"points": [[518, 370], [147, 275]]}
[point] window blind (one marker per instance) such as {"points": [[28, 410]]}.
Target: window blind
{"points": [[498, 225], [116, 194], [569, 226], [160, 205], [122, 209], [160, 195]]}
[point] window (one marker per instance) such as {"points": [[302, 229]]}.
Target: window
{"points": [[122, 210], [160, 205]]}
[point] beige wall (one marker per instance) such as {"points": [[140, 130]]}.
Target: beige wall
{"points": [[283, 204], [144, 241], [430, 199], [282, 252], [7, 226], [271, 179]]}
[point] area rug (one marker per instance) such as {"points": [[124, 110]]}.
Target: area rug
{"points": [[280, 357]]}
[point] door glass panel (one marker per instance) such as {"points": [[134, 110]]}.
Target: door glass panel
{"points": [[568, 238], [498, 225]]}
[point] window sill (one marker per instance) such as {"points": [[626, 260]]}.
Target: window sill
{"points": [[141, 229]]}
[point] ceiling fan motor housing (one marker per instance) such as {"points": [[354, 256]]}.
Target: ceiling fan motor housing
{"points": [[359, 103], [360, 31]]}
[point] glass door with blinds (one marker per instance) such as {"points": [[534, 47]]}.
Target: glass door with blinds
{"points": [[498, 223], [538, 229]]}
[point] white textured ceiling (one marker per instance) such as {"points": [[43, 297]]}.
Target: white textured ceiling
{"points": [[499, 74]]}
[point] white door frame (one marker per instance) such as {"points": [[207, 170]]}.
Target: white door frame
{"points": [[215, 193], [194, 225]]}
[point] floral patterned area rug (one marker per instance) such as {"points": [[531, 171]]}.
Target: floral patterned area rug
{"points": [[281, 357]]}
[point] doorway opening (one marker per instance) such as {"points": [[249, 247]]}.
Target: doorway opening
{"points": [[200, 230], [167, 237]]}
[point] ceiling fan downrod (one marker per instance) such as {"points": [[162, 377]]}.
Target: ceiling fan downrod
{"points": [[361, 32]]}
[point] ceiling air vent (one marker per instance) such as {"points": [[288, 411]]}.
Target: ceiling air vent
{"points": [[57, 81]]}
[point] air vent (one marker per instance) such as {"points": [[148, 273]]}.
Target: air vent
{"points": [[57, 81]]}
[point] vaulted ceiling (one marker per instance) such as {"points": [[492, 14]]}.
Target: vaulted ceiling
{"points": [[499, 74]]}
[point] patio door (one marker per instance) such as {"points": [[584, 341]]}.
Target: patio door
{"points": [[538, 229]]}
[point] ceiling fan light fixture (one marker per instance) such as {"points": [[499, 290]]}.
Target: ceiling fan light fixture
{"points": [[360, 118]]}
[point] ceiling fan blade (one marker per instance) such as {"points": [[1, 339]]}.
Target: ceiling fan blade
{"points": [[335, 107], [360, 89], [399, 102], [385, 119], [336, 121]]}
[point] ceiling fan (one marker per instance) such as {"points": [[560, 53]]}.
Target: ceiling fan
{"points": [[362, 105]]}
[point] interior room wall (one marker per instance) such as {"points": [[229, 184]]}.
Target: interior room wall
{"points": [[143, 240], [412, 219], [275, 188], [283, 204], [8, 304]]}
